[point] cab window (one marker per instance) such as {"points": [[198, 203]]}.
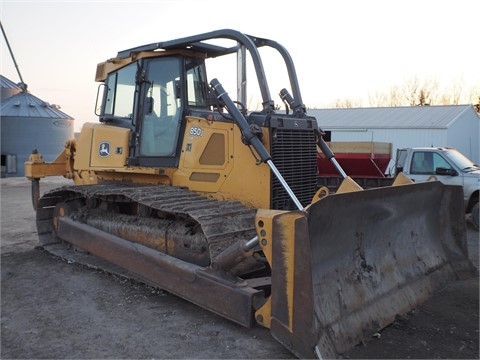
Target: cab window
{"points": [[162, 104], [196, 84], [121, 92]]}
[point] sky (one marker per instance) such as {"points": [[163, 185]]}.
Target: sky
{"points": [[341, 49]]}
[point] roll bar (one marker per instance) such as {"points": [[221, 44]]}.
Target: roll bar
{"points": [[196, 43]]}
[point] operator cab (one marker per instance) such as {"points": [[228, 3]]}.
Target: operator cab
{"points": [[150, 90], [147, 96]]}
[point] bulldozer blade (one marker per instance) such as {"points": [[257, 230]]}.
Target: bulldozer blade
{"points": [[358, 259], [225, 297]]}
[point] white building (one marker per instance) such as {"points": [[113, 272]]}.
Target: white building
{"points": [[455, 126]]}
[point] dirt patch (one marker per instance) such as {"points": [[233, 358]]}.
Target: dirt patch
{"points": [[445, 327], [51, 308]]}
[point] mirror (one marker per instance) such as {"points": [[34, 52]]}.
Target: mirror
{"points": [[445, 171]]}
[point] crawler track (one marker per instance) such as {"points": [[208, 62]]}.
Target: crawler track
{"points": [[173, 220]]}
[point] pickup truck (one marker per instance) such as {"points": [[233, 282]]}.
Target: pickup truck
{"points": [[365, 163], [446, 165]]}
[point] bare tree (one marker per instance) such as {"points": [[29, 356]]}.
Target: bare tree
{"points": [[377, 99], [419, 93], [414, 92], [456, 91], [412, 88], [429, 92], [474, 98], [396, 96], [454, 94], [348, 103]]}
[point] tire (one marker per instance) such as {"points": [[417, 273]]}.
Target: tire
{"points": [[475, 216]]}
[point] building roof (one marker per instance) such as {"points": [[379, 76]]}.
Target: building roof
{"points": [[25, 104], [421, 117], [8, 84], [18, 102]]}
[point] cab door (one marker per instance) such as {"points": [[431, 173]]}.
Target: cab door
{"points": [[161, 115]]}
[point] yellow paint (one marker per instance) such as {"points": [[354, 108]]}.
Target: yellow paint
{"points": [[205, 144], [287, 236], [198, 134], [284, 236], [137, 177], [37, 168], [106, 67], [116, 138], [401, 179], [263, 222], [348, 185], [91, 168], [213, 161], [263, 315], [84, 142], [84, 177], [320, 194]]}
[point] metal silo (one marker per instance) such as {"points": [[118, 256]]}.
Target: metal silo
{"points": [[28, 123]]}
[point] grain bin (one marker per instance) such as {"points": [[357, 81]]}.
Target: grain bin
{"points": [[28, 123]]}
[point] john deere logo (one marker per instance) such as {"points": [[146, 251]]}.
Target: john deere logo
{"points": [[104, 149]]}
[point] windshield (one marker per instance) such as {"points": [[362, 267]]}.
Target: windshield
{"points": [[464, 163]]}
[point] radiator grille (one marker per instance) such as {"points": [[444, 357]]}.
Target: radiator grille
{"points": [[294, 153]]}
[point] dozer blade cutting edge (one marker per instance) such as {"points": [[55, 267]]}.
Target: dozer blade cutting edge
{"points": [[353, 261]]}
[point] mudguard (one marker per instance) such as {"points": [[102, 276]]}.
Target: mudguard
{"points": [[347, 265]]}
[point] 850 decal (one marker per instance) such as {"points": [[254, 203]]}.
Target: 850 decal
{"points": [[196, 131]]}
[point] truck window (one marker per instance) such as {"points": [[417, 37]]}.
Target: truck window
{"points": [[401, 157], [440, 162], [426, 163], [422, 163]]}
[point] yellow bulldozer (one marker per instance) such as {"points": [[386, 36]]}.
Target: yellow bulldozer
{"points": [[182, 187]]}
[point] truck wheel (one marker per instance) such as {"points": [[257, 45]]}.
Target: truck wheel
{"points": [[475, 216]]}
